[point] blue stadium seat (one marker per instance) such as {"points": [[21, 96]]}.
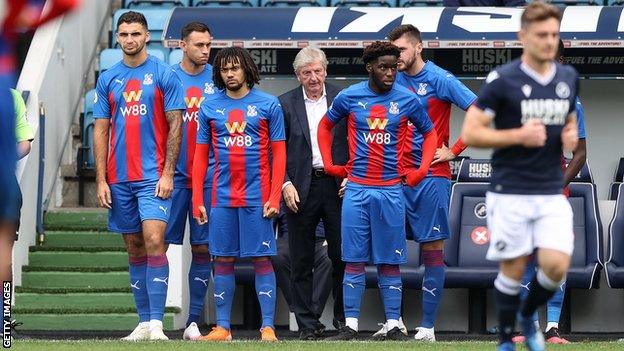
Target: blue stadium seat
{"points": [[618, 178], [363, 3], [156, 21], [232, 3], [87, 131], [154, 3], [109, 57], [413, 3], [175, 56], [576, 2], [584, 272], [614, 267], [291, 3]]}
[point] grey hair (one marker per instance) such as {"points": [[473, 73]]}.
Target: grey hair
{"points": [[308, 55]]}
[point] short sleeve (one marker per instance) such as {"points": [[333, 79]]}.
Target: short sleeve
{"points": [[339, 108], [23, 131], [276, 122], [101, 105], [419, 117], [173, 90], [580, 118], [489, 99], [203, 134], [451, 89]]}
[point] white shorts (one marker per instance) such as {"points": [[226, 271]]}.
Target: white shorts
{"points": [[519, 224]]}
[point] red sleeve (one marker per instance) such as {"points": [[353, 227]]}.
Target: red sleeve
{"points": [[200, 164], [59, 7], [429, 146], [325, 145], [278, 171], [459, 147]]}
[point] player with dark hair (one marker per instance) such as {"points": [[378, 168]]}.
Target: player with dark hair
{"points": [[196, 76], [244, 127], [427, 204], [136, 138], [531, 101], [373, 209]]}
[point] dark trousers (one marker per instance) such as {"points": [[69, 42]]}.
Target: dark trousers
{"points": [[322, 202], [322, 281]]}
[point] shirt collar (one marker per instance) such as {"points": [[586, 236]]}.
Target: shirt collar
{"points": [[306, 98]]}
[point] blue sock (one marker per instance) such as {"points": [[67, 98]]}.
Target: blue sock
{"points": [[432, 285], [157, 274], [137, 268], [391, 289], [353, 285], [224, 285], [554, 305], [198, 278], [529, 272], [266, 290]]}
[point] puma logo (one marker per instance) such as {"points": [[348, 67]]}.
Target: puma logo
{"points": [[436, 229], [350, 285], [158, 280], [120, 81], [267, 293], [204, 281], [399, 252], [526, 286], [267, 244], [221, 111], [220, 296], [163, 209], [135, 285], [400, 289], [424, 288], [363, 104]]}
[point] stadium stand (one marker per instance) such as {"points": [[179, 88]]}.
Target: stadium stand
{"points": [[614, 266], [618, 178], [232, 3], [109, 57], [156, 20], [175, 56], [155, 3], [363, 3], [295, 3]]}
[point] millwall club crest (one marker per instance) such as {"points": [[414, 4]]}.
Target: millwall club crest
{"points": [[562, 90], [526, 89], [422, 89], [147, 80], [209, 88], [251, 111], [394, 108]]}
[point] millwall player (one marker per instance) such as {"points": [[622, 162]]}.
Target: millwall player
{"points": [[531, 101], [138, 111], [427, 204], [373, 211], [245, 128], [196, 76]]}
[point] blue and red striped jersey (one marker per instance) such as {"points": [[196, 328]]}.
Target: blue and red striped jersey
{"points": [[240, 132], [377, 126], [197, 88], [437, 89], [136, 99]]}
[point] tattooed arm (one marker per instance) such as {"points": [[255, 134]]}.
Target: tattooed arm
{"points": [[164, 188]]}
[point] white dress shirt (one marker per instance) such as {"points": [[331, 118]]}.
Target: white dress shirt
{"points": [[315, 110]]}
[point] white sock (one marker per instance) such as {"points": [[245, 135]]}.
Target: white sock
{"points": [[155, 323], [401, 324], [392, 323], [144, 324], [551, 325], [352, 323]]}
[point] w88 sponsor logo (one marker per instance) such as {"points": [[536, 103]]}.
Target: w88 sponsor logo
{"points": [[377, 138], [134, 110], [237, 137]]}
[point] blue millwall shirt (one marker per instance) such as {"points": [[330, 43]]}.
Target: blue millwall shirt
{"points": [[580, 118], [437, 89], [377, 126], [240, 132], [513, 94], [135, 100], [197, 88]]}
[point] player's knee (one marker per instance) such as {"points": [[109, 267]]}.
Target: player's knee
{"points": [[199, 249], [224, 259], [434, 245], [260, 259], [555, 271]]}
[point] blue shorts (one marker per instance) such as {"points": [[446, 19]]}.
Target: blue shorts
{"points": [[241, 232], [426, 209], [181, 209], [373, 221], [133, 203], [10, 201]]}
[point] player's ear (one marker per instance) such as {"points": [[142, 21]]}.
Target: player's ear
{"points": [[369, 67], [148, 36], [521, 34]]}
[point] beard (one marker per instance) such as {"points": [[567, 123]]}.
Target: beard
{"points": [[134, 52], [236, 87]]}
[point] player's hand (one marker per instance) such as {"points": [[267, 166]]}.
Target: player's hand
{"points": [[569, 138], [414, 177], [443, 154], [103, 194], [268, 211], [336, 171], [291, 197], [164, 187], [203, 217], [533, 133], [343, 188]]}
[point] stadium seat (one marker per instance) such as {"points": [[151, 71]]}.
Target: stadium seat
{"points": [[413, 3], [584, 272], [86, 160], [455, 164], [109, 57], [232, 3], [363, 3], [155, 3], [291, 3], [175, 56], [618, 178], [156, 21], [614, 267]]}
